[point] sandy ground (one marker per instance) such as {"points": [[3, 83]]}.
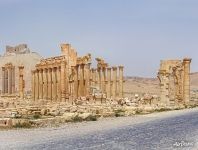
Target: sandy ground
{"points": [[31, 138]]}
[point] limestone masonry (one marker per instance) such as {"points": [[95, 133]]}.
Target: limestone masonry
{"points": [[15, 73], [174, 77], [67, 77], [67, 87]]}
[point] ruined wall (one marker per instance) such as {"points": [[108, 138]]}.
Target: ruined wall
{"points": [[174, 76], [68, 77], [19, 49], [28, 60]]}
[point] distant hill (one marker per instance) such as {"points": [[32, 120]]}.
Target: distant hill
{"points": [[142, 85]]}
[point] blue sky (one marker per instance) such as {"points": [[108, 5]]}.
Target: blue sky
{"points": [[134, 33]]}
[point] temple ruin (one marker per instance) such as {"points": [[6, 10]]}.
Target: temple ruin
{"points": [[15, 73], [67, 77], [174, 77]]}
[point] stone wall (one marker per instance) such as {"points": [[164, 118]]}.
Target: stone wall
{"points": [[174, 77], [68, 77], [27, 60]]}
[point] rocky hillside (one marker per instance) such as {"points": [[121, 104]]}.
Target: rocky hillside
{"points": [[142, 85]]}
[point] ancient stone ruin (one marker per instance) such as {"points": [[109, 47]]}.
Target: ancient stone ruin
{"points": [[69, 87], [15, 72], [68, 77], [174, 77], [19, 49]]}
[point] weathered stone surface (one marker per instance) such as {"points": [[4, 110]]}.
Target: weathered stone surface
{"points": [[69, 116]]}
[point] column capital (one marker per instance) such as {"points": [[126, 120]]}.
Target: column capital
{"points": [[114, 68], [187, 60], [109, 68], [121, 67], [21, 67]]}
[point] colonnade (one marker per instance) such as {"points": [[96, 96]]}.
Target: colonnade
{"points": [[8, 79], [109, 80], [50, 82]]}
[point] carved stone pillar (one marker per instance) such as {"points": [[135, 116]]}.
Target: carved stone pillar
{"points": [[103, 79], [33, 85], [9, 80], [186, 83], [108, 82], [114, 86], [3, 80], [76, 82], [91, 77], [49, 84], [58, 84], [41, 84], [6, 81], [21, 82], [87, 79], [45, 84], [81, 81], [99, 78], [13, 80], [36, 84], [63, 92], [67, 72], [164, 87], [121, 80], [54, 85]]}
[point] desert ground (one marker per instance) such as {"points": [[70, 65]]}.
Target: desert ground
{"points": [[141, 85], [165, 130]]}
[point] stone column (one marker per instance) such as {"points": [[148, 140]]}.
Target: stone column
{"points": [[108, 82], [63, 92], [87, 79], [91, 77], [67, 72], [40, 84], [164, 88], [33, 85], [45, 84], [13, 80], [3, 80], [121, 81], [21, 82], [99, 78], [54, 85], [6, 80], [9, 80], [114, 86], [103, 79], [76, 82], [58, 84], [36, 77], [186, 83], [81, 81], [49, 78]]}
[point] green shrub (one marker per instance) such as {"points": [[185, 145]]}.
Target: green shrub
{"points": [[36, 116], [119, 113], [22, 125], [77, 119], [163, 109], [91, 118]]}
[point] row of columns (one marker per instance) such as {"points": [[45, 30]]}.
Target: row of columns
{"points": [[50, 83], [80, 83], [57, 85], [109, 80], [8, 80]]}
